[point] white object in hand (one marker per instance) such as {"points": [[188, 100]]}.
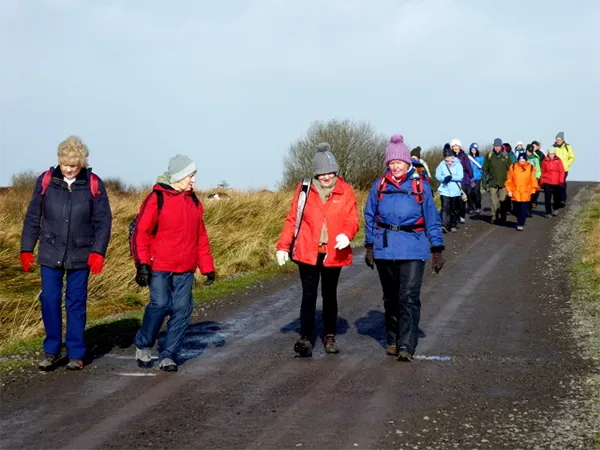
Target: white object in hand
{"points": [[342, 241], [282, 257]]}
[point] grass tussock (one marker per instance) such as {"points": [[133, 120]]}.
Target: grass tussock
{"points": [[243, 230]]}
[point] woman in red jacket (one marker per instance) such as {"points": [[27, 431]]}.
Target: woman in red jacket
{"points": [[169, 244], [553, 177], [320, 244]]}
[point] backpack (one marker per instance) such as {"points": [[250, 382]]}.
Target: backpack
{"points": [[302, 199], [94, 182], [160, 199], [421, 170], [417, 192]]}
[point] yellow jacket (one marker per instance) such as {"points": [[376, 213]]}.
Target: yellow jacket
{"points": [[566, 154]]}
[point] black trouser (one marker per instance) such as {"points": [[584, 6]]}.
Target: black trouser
{"points": [[521, 210], [309, 276], [552, 190], [450, 208], [474, 194], [563, 189], [401, 283], [534, 198]]}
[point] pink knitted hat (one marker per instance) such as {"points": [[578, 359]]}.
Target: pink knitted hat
{"points": [[396, 150]]}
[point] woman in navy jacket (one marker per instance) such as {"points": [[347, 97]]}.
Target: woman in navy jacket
{"points": [[402, 230], [69, 213]]}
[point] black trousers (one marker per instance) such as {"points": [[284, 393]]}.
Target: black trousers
{"points": [[474, 194], [521, 210], [309, 276], [401, 283], [552, 197], [450, 211]]}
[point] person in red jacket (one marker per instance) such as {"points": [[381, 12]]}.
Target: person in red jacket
{"points": [[552, 180], [321, 247], [169, 244]]}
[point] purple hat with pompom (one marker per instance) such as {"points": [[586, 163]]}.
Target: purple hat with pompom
{"points": [[396, 150]]}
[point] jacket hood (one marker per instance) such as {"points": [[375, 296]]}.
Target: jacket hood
{"points": [[167, 188]]}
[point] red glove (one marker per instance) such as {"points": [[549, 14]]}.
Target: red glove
{"points": [[26, 261], [96, 263]]}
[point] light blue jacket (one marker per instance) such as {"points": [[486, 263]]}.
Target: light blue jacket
{"points": [[399, 207], [452, 188]]}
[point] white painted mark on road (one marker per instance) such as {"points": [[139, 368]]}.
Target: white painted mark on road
{"points": [[434, 358], [137, 374], [125, 357]]}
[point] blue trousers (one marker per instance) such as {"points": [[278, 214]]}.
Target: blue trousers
{"points": [[75, 304], [170, 295], [521, 210]]}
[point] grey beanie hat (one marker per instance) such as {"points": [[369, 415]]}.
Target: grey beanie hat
{"points": [[180, 166], [497, 142], [560, 134], [324, 161]]}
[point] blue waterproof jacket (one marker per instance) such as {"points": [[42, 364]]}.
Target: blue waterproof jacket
{"points": [[453, 187], [398, 206], [477, 171], [69, 222]]}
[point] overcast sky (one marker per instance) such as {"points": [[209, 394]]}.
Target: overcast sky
{"points": [[233, 83]]}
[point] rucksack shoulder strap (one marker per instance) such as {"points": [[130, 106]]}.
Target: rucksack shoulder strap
{"points": [[46, 180], [94, 184], [160, 200]]}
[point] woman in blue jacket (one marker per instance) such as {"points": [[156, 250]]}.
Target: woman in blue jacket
{"points": [[69, 213], [477, 165], [401, 231], [450, 174]]}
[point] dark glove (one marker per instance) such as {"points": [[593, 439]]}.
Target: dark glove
{"points": [[210, 279], [144, 275], [369, 261], [437, 259], [448, 179]]}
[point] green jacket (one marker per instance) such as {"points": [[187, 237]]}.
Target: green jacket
{"points": [[534, 160], [495, 168]]}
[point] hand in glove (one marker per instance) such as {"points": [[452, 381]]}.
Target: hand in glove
{"points": [[26, 261], [96, 263], [448, 179], [144, 275], [282, 257], [437, 259], [210, 279], [341, 241], [369, 261]]}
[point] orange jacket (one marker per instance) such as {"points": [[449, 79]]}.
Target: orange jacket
{"points": [[521, 181], [341, 216]]}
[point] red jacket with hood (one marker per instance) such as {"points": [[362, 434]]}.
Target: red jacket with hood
{"points": [[340, 215], [180, 243], [553, 171]]}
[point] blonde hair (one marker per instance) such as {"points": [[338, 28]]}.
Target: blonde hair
{"points": [[73, 152]]}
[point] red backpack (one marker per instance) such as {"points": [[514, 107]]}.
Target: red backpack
{"points": [[94, 182], [417, 191]]}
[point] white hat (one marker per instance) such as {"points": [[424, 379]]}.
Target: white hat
{"points": [[454, 142]]}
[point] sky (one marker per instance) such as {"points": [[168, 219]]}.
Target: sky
{"points": [[232, 84]]}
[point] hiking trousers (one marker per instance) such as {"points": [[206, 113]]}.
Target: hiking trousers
{"points": [[521, 210], [401, 284], [552, 197], [450, 211], [170, 295], [309, 277], [498, 198], [474, 194], [75, 304]]}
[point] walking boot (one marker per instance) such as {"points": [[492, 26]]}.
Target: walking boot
{"points": [[404, 355], [391, 350], [303, 347], [330, 346]]}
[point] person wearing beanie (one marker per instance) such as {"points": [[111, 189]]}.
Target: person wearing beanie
{"points": [[70, 210], [402, 230], [477, 162], [420, 164], [493, 178], [537, 149], [567, 155], [168, 244], [316, 235], [449, 173], [520, 185], [553, 177], [512, 155], [468, 181], [533, 159]]}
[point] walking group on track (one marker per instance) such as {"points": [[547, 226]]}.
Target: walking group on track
{"points": [[70, 215]]}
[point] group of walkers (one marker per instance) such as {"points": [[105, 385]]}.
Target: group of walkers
{"points": [[69, 214], [513, 179]]}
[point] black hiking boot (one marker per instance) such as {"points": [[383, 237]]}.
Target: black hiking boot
{"points": [[303, 347], [330, 347]]}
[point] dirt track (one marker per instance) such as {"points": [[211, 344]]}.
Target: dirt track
{"points": [[494, 370]]}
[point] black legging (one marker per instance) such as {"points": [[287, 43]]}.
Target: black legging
{"points": [[450, 211], [309, 276], [474, 194], [552, 190], [401, 284]]}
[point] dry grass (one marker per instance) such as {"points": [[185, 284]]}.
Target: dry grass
{"points": [[242, 230], [591, 253]]}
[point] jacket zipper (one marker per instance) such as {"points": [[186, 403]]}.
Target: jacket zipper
{"points": [[65, 256]]}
